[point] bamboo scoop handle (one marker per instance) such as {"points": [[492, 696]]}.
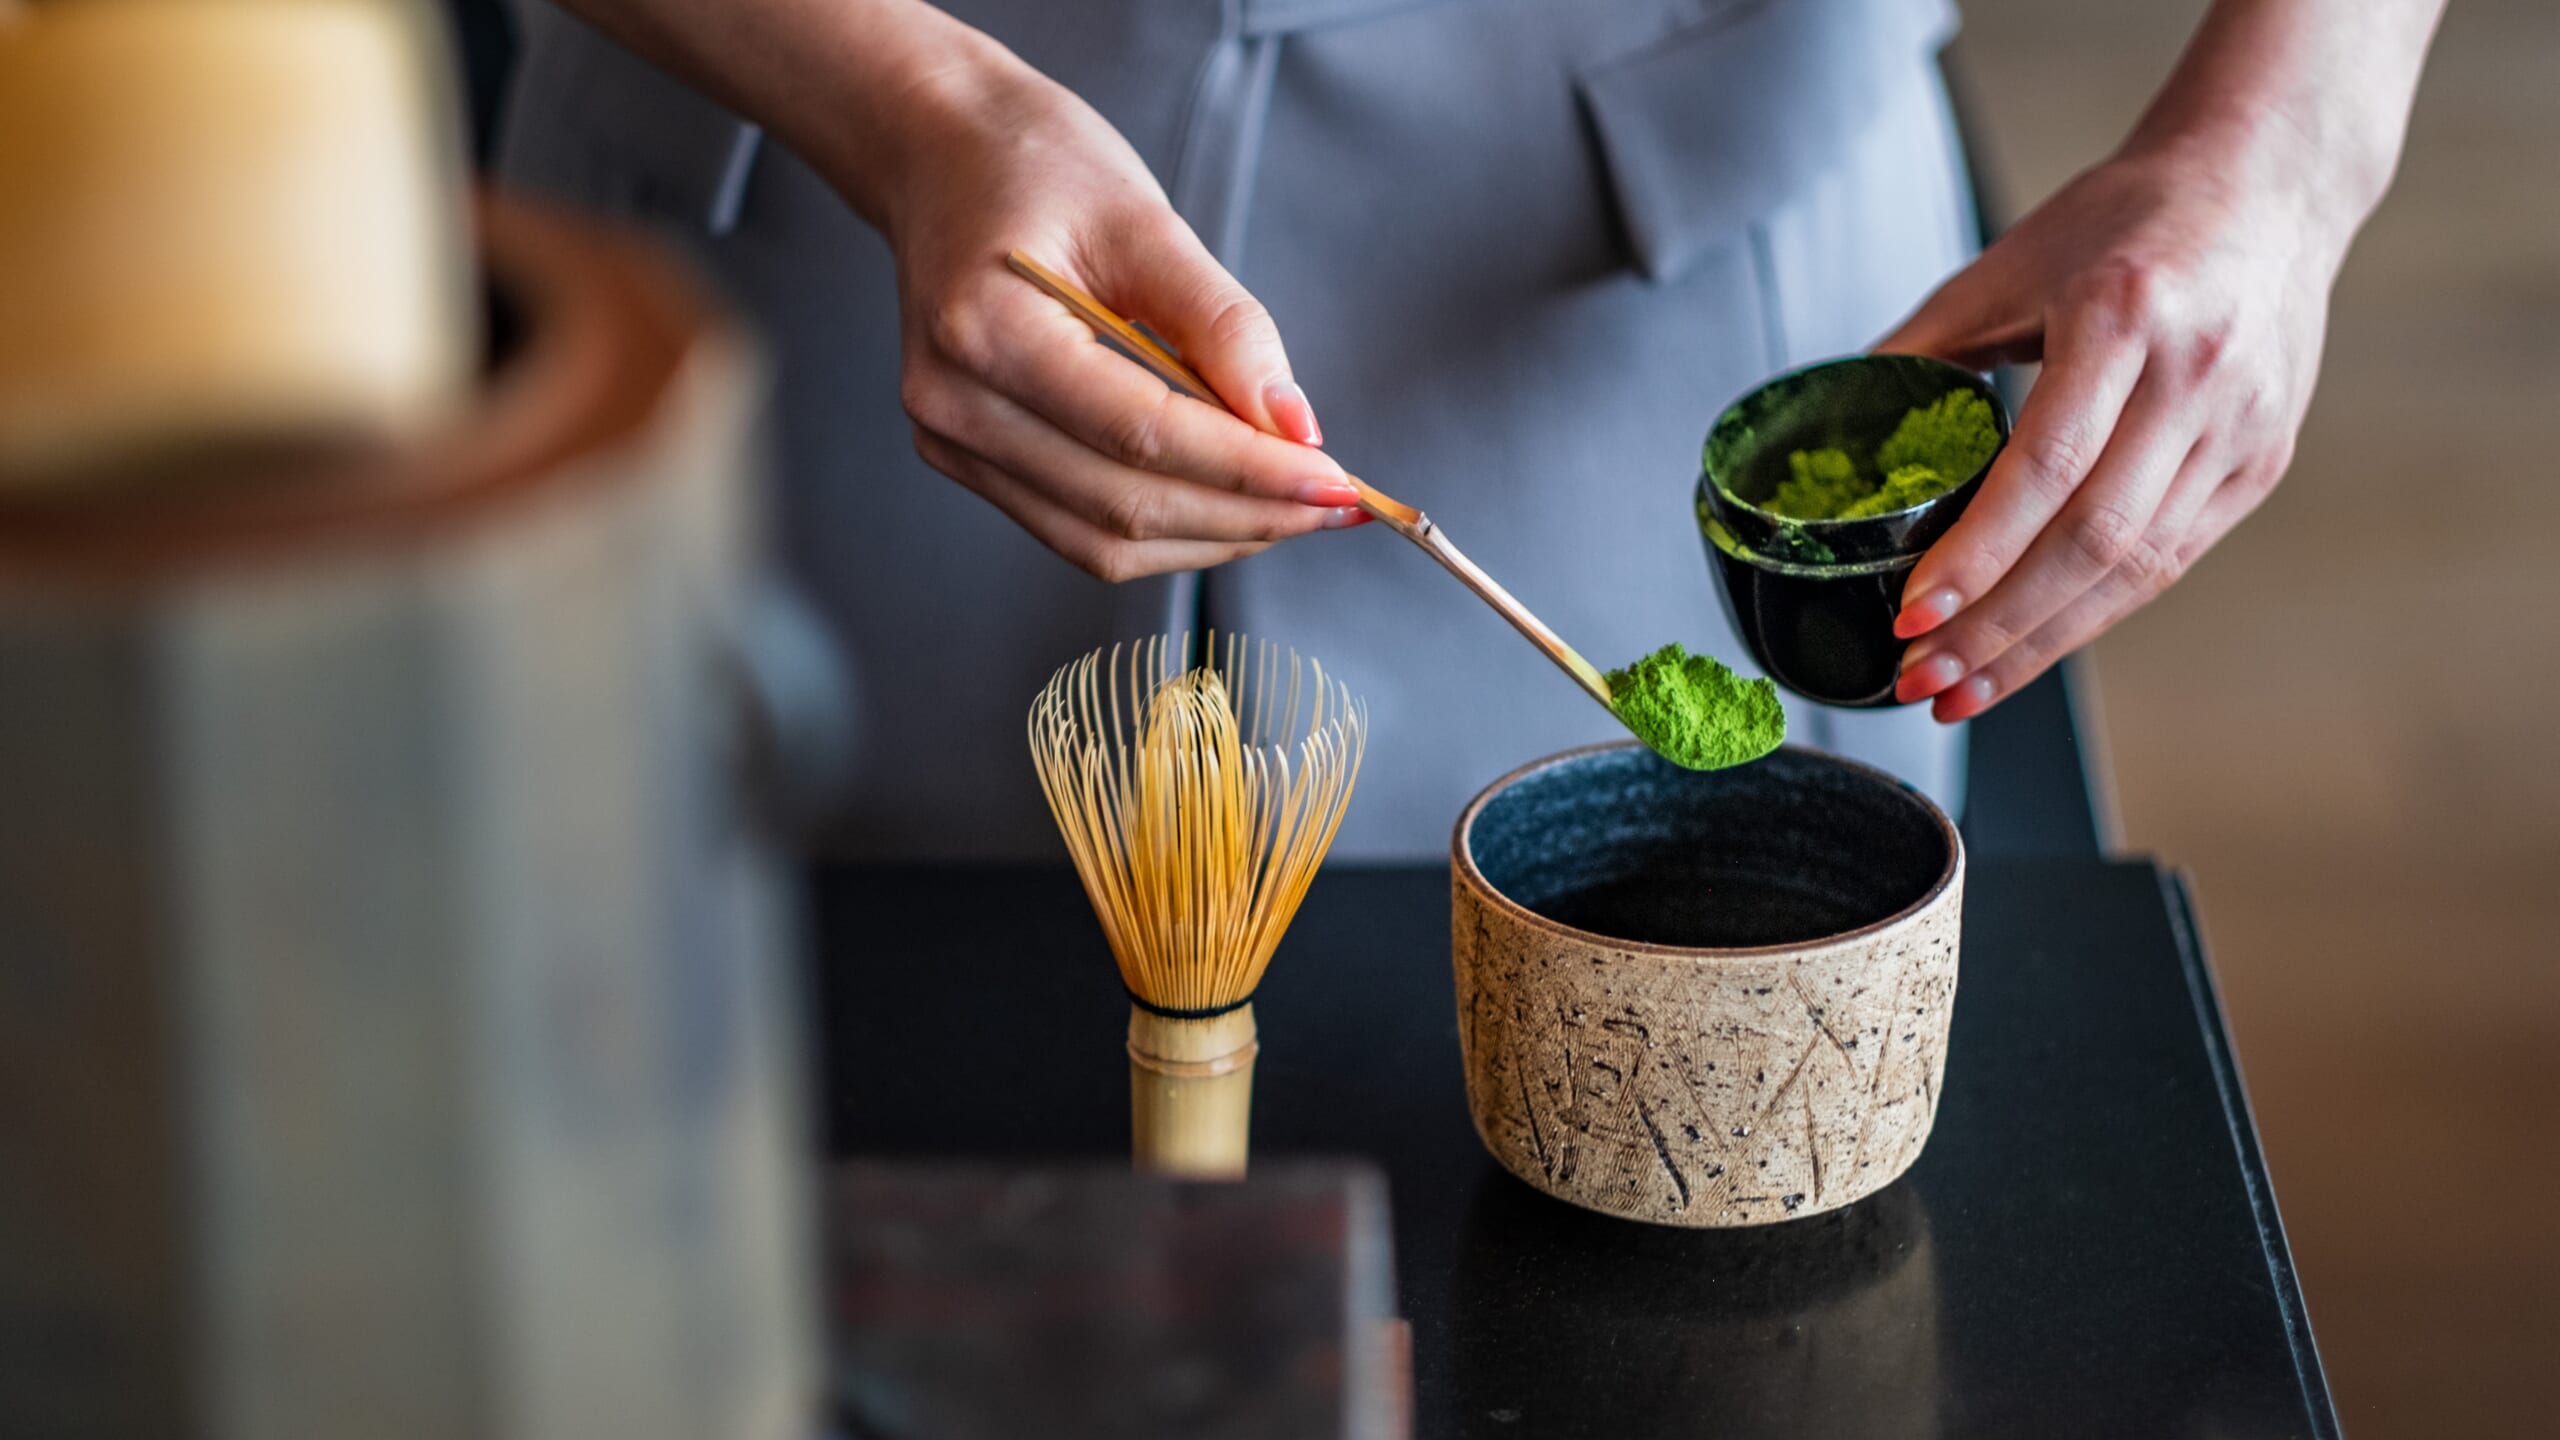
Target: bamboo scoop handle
{"points": [[1404, 519]]}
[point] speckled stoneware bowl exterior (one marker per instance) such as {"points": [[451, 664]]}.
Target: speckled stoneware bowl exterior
{"points": [[1723, 1066]]}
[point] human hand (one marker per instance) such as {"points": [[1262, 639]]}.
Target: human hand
{"points": [[2177, 296], [1012, 396]]}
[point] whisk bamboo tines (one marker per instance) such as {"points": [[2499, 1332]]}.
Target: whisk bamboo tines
{"points": [[1197, 804]]}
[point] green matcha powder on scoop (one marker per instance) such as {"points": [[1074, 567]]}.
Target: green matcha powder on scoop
{"points": [[1696, 713], [1937, 447]]}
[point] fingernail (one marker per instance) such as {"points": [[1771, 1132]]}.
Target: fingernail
{"points": [[1329, 491], [1291, 412], [1966, 700], [1344, 517], [1927, 613], [1927, 675]]}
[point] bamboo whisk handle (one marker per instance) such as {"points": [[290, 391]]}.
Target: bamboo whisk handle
{"points": [[1191, 1093]]}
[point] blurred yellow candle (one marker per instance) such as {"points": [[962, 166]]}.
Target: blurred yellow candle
{"points": [[223, 219]]}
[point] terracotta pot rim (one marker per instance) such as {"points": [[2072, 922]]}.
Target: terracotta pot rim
{"points": [[1462, 863], [611, 327]]}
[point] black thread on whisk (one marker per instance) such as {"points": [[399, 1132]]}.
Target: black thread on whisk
{"points": [[1211, 1013]]}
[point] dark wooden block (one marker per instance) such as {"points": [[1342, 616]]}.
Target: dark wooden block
{"points": [[973, 1301]]}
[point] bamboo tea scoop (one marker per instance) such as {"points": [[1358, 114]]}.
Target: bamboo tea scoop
{"points": [[1404, 519]]}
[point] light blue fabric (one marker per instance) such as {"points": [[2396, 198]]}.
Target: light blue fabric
{"points": [[1522, 253]]}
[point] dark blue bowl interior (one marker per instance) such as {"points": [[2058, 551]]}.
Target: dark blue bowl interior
{"points": [[1792, 848]]}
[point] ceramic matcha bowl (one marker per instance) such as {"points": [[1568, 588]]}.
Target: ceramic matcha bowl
{"points": [[1704, 998]]}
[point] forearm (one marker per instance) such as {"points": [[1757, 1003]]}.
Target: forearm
{"points": [[850, 85], [2310, 96], [2177, 294]]}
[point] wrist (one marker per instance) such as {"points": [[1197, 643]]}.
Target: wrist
{"points": [[888, 102], [2317, 183]]}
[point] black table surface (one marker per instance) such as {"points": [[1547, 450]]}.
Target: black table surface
{"points": [[2087, 1248]]}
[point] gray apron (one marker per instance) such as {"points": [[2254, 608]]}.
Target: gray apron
{"points": [[1522, 251]]}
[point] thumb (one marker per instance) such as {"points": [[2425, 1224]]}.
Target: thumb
{"points": [[1978, 319], [1180, 291]]}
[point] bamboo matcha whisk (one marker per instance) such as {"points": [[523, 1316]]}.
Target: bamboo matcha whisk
{"points": [[1197, 804]]}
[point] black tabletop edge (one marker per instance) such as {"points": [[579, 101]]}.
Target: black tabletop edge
{"points": [[2177, 895]]}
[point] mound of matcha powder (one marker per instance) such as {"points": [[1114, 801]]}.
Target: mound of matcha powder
{"points": [[1937, 447], [1696, 713], [1820, 484]]}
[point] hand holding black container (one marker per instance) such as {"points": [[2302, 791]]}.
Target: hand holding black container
{"points": [[1815, 600]]}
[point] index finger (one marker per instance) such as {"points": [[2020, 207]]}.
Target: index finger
{"points": [[1058, 369], [2090, 371]]}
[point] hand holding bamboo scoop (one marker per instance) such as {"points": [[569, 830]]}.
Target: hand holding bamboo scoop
{"points": [[1404, 519]]}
